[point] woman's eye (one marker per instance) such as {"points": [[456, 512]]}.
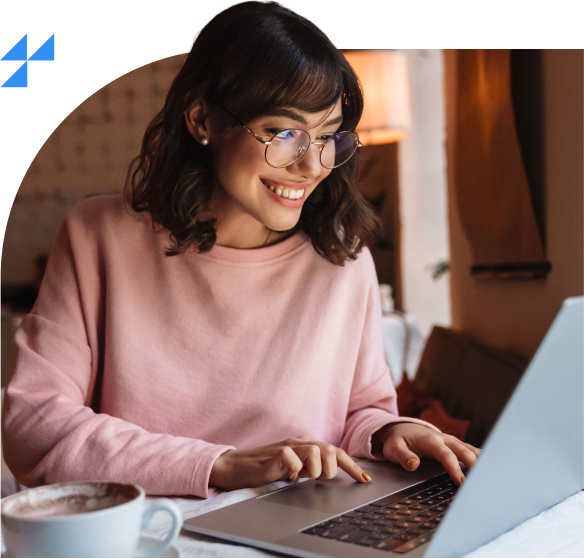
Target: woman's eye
{"points": [[276, 131]]}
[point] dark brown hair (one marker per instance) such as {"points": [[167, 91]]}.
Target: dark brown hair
{"points": [[253, 58]]}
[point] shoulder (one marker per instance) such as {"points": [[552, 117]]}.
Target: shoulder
{"points": [[105, 213], [359, 273]]}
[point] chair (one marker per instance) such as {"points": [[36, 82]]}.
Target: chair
{"points": [[471, 380]]}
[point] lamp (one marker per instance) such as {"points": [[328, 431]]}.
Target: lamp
{"points": [[384, 77]]}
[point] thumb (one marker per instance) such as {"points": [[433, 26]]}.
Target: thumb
{"points": [[401, 454]]}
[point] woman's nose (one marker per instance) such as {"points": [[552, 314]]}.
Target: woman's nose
{"points": [[309, 165]]}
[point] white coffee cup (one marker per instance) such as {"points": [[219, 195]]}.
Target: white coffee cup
{"points": [[83, 519]]}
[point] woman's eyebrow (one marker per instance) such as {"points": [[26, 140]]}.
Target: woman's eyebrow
{"points": [[299, 118]]}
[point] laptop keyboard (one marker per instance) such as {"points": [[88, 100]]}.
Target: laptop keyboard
{"points": [[397, 523]]}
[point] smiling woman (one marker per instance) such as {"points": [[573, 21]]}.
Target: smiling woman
{"points": [[200, 171], [251, 348]]}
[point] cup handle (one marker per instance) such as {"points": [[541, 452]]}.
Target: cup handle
{"points": [[151, 507]]}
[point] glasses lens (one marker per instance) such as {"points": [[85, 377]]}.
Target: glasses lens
{"points": [[339, 149], [287, 147]]}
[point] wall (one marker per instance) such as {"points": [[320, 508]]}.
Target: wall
{"points": [[88, 153], [515, 314], [423, 194]]}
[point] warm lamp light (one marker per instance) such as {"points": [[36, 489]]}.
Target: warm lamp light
{"points": [[387, 114]]}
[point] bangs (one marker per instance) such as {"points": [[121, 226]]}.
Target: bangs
{"points": [[289, 68]]}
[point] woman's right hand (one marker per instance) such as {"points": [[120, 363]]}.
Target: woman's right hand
{"points": [[302, 456]]}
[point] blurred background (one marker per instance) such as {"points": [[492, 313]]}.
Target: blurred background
{"points": [[473, 160]]}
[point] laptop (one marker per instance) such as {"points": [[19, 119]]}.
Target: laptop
{"points": [[532, 459]]}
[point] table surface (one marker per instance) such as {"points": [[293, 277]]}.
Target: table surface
{"points": [[556, 532]]}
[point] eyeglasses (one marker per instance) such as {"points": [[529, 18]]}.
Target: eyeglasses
{"points": [[289, 146]]}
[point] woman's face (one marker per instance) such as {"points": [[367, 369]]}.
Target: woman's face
{"points": [[247, 207]]}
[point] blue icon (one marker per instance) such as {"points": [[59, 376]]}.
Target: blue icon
{"points": [[19, 52]]}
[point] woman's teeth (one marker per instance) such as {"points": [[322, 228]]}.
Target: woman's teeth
{"points": [[286, 192]]}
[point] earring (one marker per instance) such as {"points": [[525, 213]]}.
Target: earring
{"points": [[204, 141]]}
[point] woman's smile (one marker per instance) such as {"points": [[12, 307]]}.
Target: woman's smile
{"points": [[287, 193]]}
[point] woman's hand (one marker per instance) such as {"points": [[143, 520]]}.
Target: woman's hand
{"points": [[406, 443], [303, 456]]}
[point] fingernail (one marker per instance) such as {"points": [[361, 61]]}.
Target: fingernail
{"points": [[366, 477], [293, 478], [462, 478], [411, 463]]}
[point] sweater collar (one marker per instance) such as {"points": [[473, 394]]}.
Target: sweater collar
{"points": [[254, 255]]}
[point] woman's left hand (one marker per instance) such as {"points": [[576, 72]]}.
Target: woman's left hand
{"points": [[406, 443]]}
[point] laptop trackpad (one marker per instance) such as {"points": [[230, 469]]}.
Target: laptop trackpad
{"points": [[343, 493]]}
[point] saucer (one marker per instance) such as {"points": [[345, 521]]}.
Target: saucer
{"points": [[148, 542], [145, 543]]}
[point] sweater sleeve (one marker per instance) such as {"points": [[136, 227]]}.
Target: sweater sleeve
{"points": [[50, 431], [373, 400]]}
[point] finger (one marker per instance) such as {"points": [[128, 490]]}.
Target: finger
{"points": [[402, 454], [462, 452], [474, 449], [347, 464], [289, 462], [311, 459], [328, 454], [344, 461], [434, 447]]}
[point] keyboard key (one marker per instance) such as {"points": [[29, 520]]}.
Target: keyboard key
{"points": [[384, 510], [384, 522], [327, 524], [431, 502], [314, 531], [408, 511], [392, 529], [378, 536], [370, 527], [366, 541], [417, 497], [419, 506], [385, 501], [398, 506], [439, 508], [419, 530], [341, 519], [353, 514], [412, 543], [337, 530], [360, 521], [406, 536], [429, 513], [351, 536], [417, 518], [368, 508], [370, 516], [427, 525], [389, 544], [408, 501], [397, 516], [442, 497], [405, 524]]}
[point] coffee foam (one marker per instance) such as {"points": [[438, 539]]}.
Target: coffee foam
{"points": [[68, 499]]}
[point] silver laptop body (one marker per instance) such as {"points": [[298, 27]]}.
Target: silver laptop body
{"points": [[532, 459]]}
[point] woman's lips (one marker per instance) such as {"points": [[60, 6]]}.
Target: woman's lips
{"points": [[287, 202], [287, 184]]}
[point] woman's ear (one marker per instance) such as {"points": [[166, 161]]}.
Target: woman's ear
{"points": [[197, 121]]}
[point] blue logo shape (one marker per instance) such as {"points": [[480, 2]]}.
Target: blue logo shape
{"points": [[27, 100]]}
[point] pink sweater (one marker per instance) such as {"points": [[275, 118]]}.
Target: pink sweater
{"points": [[138, 367]]}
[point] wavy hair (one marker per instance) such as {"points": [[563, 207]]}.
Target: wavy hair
{"points": [[253, 57]]}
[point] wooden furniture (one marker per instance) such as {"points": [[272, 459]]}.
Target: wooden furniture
{"points": [[471, 380]]}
